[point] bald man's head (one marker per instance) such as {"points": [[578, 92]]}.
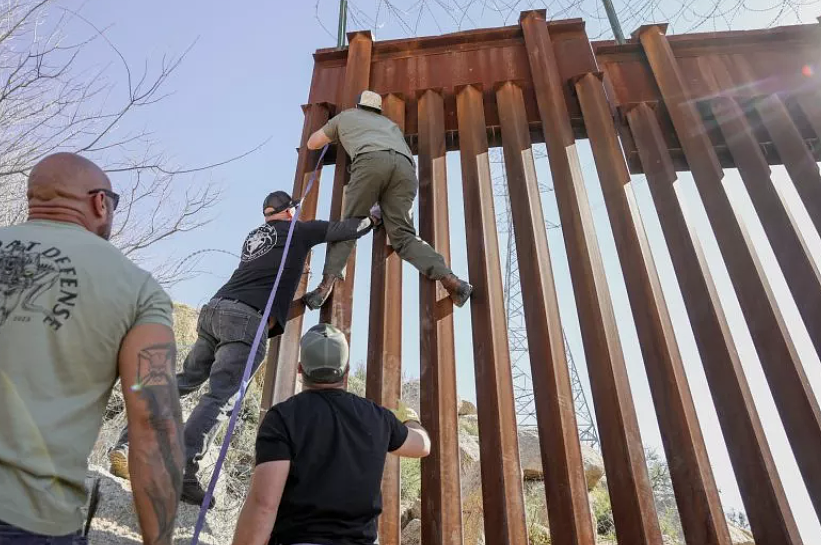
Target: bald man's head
{"points": [[68, 187]]}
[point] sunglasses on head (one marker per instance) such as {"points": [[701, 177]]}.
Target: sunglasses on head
{"points": [[115, 198]]}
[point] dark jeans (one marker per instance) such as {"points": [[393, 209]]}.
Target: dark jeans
{"points": [[11, 535], [225, 332]]}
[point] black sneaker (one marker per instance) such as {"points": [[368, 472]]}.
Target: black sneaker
{"points": [[194, 494]]}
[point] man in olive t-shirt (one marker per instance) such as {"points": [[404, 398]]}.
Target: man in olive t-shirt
{"points": [[76, 314], [383, 172]]}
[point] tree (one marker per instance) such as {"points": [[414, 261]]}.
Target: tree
{"points": [[49, 102]]}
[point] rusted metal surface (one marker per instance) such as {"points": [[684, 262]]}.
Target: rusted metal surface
{"points": [[338, 309], [270, 377], [566, 487], [702, 517], [750, 99], [280, 379], [384, 378], [441, 512], [799, 162], [761, 488], [634, 510], [491, 56], [503, 505], [794, 399], [810, 104]]}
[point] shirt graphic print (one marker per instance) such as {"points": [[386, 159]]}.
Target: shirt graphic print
{"points": [[28, 271], [259, 242]]}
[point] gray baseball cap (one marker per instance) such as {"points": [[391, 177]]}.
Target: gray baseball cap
{"points": [[324, 356]]}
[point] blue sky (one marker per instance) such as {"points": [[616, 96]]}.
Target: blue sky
{"points": [[244, 82]]}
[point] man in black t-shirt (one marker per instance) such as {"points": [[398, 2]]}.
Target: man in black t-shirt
{"points": [[320, 456], [228, 323]]}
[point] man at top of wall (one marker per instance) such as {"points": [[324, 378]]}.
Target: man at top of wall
{"points": [[382, 172]]}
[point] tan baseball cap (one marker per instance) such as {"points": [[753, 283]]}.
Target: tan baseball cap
{"points": [[369, 99]]}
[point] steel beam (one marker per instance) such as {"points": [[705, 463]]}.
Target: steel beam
{"points": [[503, 501], [283, 354], [634, 510], [758, 480], [702, 517], [384, 379], [338, 309], [441, 492], [787, 244], [810, 103], [794, 399], [565, 484], [798, 160]]}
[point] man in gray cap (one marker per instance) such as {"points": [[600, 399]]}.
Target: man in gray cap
{"points": [[383, 172], [228, 323], [320, 456]]}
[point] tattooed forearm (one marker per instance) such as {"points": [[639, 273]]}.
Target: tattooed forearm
{"points": [[156, 386]]}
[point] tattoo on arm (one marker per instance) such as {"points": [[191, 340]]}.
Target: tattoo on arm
{"points": [[156, 385]]}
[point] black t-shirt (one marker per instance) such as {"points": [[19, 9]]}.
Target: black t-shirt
{"points": [[253, 280], [337, 443]]}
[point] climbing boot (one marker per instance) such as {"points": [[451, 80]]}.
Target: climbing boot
{"points": [[458, 289], [192, 491], [118, 459], [315, 299]]}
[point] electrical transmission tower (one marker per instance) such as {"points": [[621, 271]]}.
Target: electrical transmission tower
{"points": [[517, 333]]}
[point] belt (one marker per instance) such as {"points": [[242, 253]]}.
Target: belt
{"points": [[252, 307], [391, 151]]}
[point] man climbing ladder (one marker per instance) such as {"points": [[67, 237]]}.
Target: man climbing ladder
{"points": [[382, 172]]}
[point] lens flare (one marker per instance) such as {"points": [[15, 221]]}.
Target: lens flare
{"points": [[807, 71]]}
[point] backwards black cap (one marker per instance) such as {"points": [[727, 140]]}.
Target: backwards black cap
{"points": [[279, 201]]}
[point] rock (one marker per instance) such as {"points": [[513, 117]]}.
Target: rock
{"points": [[740, 536], [593, 466], [410, 395], [531, 459], [412, 533], [185, 325], [115, 522], [411, 512], [466, 408], [471, 481], [530, 455]]}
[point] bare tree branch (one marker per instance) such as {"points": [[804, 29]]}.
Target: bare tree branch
{"points": [[49, 104]]}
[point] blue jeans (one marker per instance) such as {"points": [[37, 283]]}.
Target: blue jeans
{"points": [[225, 333], [11, 535]]}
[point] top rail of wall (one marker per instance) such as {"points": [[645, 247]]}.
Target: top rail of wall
{"points": [[760, 62]]}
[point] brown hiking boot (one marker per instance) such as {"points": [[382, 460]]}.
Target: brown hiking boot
{"points": [[315, 299], [119, 462], [458, 289]]}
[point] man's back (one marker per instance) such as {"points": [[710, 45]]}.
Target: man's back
{"points": [[67, 300], [361, 131], [337, 443]]}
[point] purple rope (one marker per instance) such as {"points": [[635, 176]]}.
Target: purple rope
{"points": [[246, 376]]}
